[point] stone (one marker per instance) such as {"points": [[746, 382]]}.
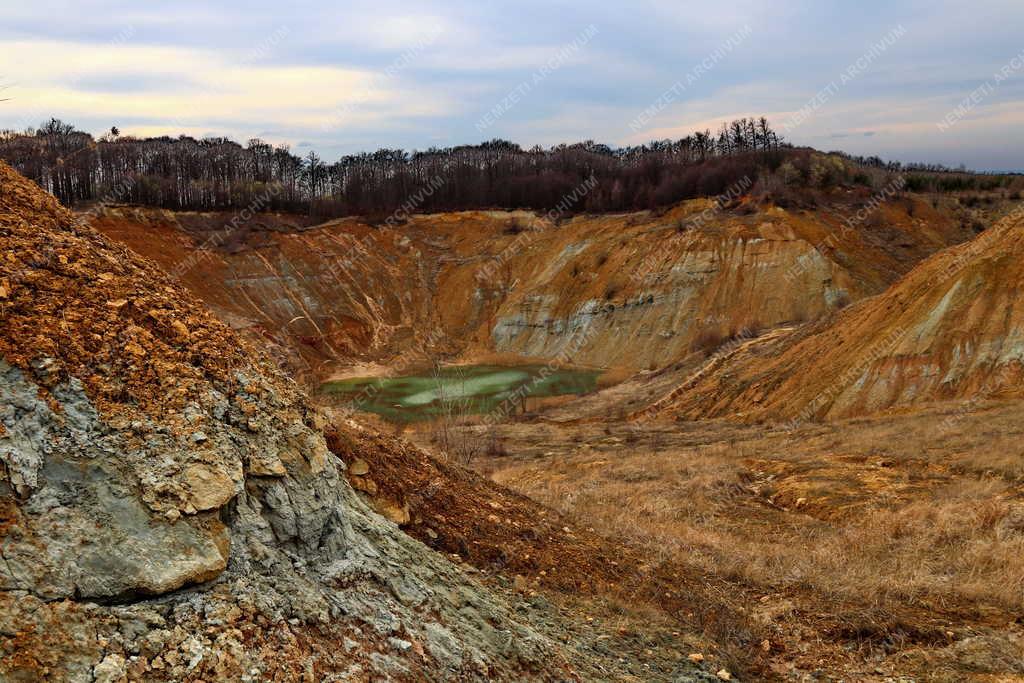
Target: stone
{"points": [[180, 331], [399, 514], [135, 349], [364, 484], [267, 466], [111, 670], [399, 644], [207, 487], [359, 468]]}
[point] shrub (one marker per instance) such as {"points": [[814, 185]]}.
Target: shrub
{"points": [[789, 173]]}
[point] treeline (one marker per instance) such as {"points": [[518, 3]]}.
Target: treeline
{"points": [[923, 177], [184, 173]]}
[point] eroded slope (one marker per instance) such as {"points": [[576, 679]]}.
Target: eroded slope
{"points": [[631, 291], [953, 328]]}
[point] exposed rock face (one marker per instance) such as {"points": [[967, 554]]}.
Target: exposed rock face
{"points": [[630, 291], [953, 328], [98, 540], [344, 290], [169, 509], [645, 291]]}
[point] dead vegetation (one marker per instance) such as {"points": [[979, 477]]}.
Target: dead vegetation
{"points": [[895, 539]]}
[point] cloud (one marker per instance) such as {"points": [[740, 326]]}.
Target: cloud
{"points": [[849, 134], [171, 90], [370, 73]]}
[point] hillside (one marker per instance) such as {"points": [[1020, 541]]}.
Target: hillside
{"points": [[952, 328], [170, 509], [632, 291]]}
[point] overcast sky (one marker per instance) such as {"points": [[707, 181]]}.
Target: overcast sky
{"points": [[871, 77]]}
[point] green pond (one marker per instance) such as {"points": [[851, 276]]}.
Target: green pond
{"points": [[459, 390]]}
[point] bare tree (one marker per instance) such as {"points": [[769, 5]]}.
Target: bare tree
{"points": [[210, 174]]}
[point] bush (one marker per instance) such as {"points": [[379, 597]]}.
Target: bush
{"points": [[789, 174]]}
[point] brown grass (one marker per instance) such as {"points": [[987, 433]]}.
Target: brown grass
{"points": [[914, 524]]}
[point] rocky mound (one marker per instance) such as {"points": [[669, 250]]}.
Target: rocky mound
{"points": [[169, 509], [953, 328]]}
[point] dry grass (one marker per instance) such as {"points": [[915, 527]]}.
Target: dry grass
{"points": [[915, 523], [964, 545]]}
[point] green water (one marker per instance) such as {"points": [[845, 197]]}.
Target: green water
{"points": [[460, 389]]}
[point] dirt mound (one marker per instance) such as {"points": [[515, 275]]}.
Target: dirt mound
{"points": [[457, 511], [146, 449], [953, 328]]}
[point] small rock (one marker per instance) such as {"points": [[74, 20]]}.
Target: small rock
{"points": [[135, 349], [399, 644], [46, 369], [117, 303], [696, 658], [180, 331], [724, 675], [267, 467], [110, 670], [399, 514], [359, 468]]}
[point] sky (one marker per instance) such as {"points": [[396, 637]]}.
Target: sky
{"points": [[930, 80]]}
